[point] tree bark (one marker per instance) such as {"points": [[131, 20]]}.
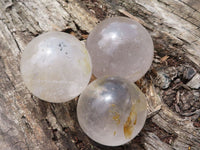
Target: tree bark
{"points": [[173, 104]]}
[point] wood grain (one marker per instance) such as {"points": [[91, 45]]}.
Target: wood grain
{"points": [[29, 123]]}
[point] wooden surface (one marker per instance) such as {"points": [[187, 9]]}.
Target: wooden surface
{"points": [[27, 123]]}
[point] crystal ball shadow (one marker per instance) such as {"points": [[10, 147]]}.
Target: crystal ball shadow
{"points": [[111, 111], [121, 47], [55, 67]]}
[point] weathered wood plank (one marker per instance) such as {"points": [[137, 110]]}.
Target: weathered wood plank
{"points": [[29, 123]]}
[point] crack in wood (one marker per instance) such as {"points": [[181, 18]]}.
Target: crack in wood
{"points": [[24, 19]]}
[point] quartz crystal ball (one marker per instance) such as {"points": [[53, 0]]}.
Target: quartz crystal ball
{"points": [[112, 111], [120, 46], [55, 67]]}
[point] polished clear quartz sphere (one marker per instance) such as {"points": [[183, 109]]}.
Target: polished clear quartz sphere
{"points": [[121, 47], [55, 67], [112, 111]]}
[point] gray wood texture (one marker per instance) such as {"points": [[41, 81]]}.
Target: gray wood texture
{"points": [[27, 123]]}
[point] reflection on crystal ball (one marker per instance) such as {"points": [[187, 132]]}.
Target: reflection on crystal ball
{"points": [[55, 67], [119, 46], [112, 111]]}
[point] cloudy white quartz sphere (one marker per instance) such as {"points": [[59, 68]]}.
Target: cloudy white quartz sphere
{"points": [[121, 47], [55, 67], [112, 111]]}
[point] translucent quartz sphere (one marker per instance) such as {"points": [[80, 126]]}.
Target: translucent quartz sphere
{"points": [[112, 111], [120, 47], [55, 67]]}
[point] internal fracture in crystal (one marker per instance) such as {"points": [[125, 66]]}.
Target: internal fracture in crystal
{"points": [[112, 111]]}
